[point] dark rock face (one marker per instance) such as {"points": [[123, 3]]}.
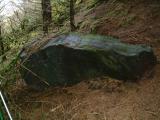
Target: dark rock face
{"points": [[69, 59]]}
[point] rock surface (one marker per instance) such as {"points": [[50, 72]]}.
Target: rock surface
{"points": [[71, 58]]}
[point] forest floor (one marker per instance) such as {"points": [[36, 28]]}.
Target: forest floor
{"points": [[104, 98]]}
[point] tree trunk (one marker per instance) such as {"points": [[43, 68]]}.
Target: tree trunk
{"points": [[46, 14], [72, 13], [2, 45]]}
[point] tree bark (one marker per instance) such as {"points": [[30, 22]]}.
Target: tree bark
{"points": [[2, 45], [72, 13], [46, 14]]}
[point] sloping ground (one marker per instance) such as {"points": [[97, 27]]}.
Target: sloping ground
{"points": [[134, 21], [104, 98]]}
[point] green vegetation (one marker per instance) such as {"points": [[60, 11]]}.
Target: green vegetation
{"points": [[105, 17], [26, 24]]}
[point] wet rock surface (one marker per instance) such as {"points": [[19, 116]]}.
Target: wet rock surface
{"points": [[71, 58]]}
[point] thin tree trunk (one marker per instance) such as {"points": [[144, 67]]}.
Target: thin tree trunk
{"points": [[72, 13], [47, 15], [2, 45]]}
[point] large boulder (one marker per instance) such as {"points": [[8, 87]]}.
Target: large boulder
{"points": [[71, 58]]}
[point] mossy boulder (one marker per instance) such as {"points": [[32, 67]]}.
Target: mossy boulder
{"points": [[71, 58]]}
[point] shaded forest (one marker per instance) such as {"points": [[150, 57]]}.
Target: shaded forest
{"points": [[27, 34]]}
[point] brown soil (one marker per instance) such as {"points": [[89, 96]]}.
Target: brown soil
{"points": [[104, 98], [94, 101]]}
